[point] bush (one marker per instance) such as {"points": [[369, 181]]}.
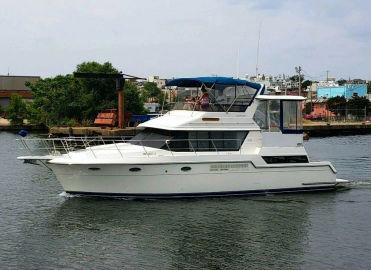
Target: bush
{"points": [[17, 110]]}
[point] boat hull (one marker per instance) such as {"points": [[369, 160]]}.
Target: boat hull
{"points": [[191, 179]]}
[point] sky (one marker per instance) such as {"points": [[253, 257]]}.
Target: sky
{"points": [[174, 38]]}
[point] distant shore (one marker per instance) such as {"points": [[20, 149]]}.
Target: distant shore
{"points": [[311, 129], [321, 129]]}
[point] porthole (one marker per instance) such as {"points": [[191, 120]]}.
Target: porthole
{"points": [[186, 169], [135, 169], [94, 169]]}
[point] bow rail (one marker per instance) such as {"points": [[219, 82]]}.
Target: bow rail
{"points": [[54, 147]]}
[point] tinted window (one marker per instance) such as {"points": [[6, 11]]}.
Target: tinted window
{"points": [[216, 140], [185, 141], [285, 159]]}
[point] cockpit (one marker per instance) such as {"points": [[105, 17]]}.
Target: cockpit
{"points": [[213, 94], [279, 114]]}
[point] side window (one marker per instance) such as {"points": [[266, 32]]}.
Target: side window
{"points": [[184, 141], [292, 116], [203, 141], [274, 115], [261, 115], [267, 115]]}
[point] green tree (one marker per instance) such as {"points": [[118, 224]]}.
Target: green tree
{"points": [[151, 91], [65, 100], [337, 105], [341, 82], [305, 84], [162, 100], [357, 105], [308, 107], [102, 92], [133, 101], [17, 110], [295, 78], [1, 110], [58, 100], [369, 87]]}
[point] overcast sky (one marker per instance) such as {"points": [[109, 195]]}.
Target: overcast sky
{"points": [[174, 38]]}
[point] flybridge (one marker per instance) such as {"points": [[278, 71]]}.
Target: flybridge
{"points": [[211, 81], [214, 94]]}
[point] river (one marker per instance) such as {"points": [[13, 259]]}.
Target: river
{"points": [[41, 229]]}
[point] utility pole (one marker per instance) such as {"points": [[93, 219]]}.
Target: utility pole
{"points": [[365, 114], [327, 71], [298, 70]]}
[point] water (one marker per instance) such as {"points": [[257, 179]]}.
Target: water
{"points": [[40, 229]]}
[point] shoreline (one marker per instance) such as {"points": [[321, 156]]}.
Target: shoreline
{"points": [[314, 129]]}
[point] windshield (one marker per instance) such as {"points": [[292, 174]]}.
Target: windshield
{"points": [[218, 98], [155, 138]]}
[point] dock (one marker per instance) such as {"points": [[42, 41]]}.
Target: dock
{"points": [[93, 131], [321, 129]]}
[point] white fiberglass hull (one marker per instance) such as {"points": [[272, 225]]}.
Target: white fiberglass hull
{"points": [[192, 179]]}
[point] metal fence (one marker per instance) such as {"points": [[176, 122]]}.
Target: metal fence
{"points": [[342, 115]]}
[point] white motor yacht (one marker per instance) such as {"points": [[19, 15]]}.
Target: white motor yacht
{"points": [[223, 137]]}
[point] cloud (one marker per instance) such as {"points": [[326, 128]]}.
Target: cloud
{"points": [[176, 38]]}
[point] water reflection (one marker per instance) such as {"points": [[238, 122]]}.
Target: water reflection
{"points": [[230, 233]]}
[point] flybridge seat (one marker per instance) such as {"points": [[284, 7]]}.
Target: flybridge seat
{"points": [[218, 94]]}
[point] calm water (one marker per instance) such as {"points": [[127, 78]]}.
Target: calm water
{"points": [[39, 229]]}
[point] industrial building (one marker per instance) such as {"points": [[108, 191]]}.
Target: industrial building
{"points": [[347, 91], [10, 85]]}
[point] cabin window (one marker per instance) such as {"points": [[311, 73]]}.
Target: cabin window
{"points": [[285, 159], [279, 115], [202, 141], [155, 138], [261, 116], [190, 141], [292, 116], [274, 115], [267, 115]]}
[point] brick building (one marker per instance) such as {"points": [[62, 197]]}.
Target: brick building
{"points": [[10, 85]]}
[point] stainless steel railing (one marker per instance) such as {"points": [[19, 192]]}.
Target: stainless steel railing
{"points": [[68, 145]]}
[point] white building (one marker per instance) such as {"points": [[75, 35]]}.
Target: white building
{"points": [[157, 80]]}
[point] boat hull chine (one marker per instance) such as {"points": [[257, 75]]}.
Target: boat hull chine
{"points": [[191, 180]]}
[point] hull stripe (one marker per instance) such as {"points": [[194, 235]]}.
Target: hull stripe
{"points": [[204, 194]]}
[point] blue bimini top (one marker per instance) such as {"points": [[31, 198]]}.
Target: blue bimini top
{"points": [[210, 81]]}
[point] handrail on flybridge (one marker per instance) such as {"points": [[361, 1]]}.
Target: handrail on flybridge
{"points": [[54, 147]]}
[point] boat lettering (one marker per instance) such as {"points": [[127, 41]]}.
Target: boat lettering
{"points": [[228, 167]]}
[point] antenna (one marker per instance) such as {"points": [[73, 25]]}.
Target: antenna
{"points": [[257, 51], [238, 63]]}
